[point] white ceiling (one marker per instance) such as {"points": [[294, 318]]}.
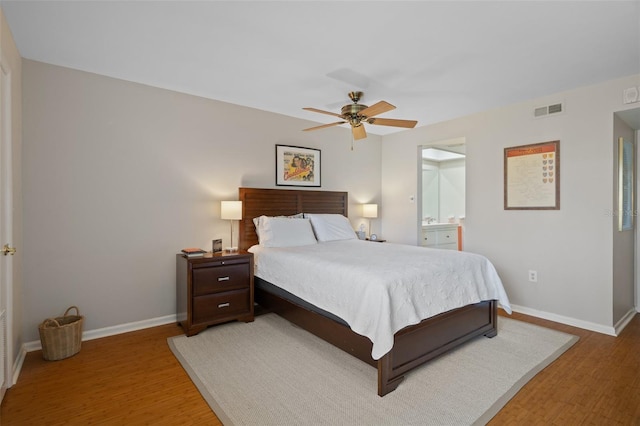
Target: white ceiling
{"points": [[433, 60]]}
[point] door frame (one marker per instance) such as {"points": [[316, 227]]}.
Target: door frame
{"points": [[6, 218], [451, 144]]}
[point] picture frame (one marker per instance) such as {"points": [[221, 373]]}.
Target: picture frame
{"points": [[532, 177], [626, 179], [298, 166]]}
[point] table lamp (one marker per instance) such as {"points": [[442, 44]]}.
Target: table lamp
{"points": [[231, 210], [370, 211]]}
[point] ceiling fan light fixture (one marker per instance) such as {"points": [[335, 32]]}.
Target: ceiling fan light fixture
{"points": [[355, 121], [357, 114], [353, 109]]}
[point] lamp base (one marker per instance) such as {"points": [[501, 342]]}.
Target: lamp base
{"points": [[231, 249]]}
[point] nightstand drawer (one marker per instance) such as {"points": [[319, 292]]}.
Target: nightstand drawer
{"points": [[220, 305], [220, 278]]}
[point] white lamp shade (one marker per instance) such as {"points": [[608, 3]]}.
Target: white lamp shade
{"points": [[369, 210], [231, 210]]}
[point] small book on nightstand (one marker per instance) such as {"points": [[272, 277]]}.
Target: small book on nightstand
{"points": [[193, 252]]}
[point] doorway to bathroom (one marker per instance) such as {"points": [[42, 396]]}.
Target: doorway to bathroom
{"points": [[441, 186]]}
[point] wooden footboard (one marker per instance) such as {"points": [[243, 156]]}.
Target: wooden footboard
{"points": [[413, 345], [434, 336]]}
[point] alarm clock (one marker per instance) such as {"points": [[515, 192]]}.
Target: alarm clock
{"points": [[373, 237]]}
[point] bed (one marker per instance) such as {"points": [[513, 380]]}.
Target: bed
{"points": [[411, 346]]}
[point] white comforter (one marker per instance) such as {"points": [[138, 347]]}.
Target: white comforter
{"points": [[380, 288]]}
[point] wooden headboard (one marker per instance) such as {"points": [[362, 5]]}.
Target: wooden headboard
{"points": [[284, 202]]}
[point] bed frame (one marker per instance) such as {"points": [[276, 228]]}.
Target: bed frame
{"points": [[413, 345]]}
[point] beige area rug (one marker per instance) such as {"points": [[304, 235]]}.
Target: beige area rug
{"points": [[271, 372]]}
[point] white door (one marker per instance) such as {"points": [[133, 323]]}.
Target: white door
{"points": [[6, 222]]}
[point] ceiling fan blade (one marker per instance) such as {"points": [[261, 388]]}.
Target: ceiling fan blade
{"points": [[359, 132], [376, 109], [324, 126], [322, 112], [409, 124]]}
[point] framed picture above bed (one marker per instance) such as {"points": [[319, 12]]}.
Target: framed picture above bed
{"points": [[297, 166]]}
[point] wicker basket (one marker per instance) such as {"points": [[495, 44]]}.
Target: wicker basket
{"points": [[61, 337]]}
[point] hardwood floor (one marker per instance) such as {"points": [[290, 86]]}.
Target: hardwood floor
{"points": [[129, 379], [596, 382], [134, 378]]}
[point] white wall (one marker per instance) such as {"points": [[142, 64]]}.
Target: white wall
{"points": [[118, 177], [570, 248]]}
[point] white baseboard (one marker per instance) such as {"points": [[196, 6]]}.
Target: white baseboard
{"points": [[110, 331], [17, 365], [599, 328], [90, 335], [620, 325]]}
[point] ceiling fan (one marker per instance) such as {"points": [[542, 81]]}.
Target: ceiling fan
{"points": [[357, 114]]}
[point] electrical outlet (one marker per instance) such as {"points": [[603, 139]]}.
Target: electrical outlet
{"points": [[533, 276]]}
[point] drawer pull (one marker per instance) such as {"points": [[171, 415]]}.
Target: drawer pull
{"points": [[224, 305], [223, 279]]}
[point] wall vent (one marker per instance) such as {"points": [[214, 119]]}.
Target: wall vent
{"points": [[546, 110]]}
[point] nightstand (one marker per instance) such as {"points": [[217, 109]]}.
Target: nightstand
{"points": [[376, 241], [214, 289]]}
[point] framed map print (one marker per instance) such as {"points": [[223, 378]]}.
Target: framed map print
{"points": [[532, 177]]}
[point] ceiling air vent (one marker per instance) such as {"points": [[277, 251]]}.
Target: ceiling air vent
{"points": [[548, 110]]}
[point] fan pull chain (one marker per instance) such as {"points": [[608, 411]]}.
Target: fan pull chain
{"points": [[352, 142]]}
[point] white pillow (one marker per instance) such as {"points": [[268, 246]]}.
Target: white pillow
{"points": [[285, 232], [331, 227], [257, 222]]}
